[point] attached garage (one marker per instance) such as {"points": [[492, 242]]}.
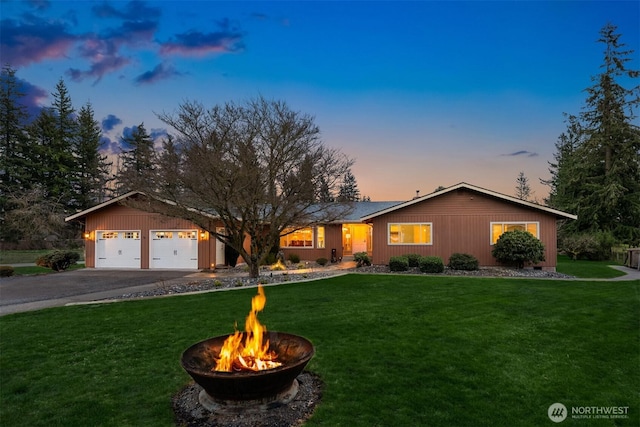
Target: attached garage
{"points": [[118, 249], [121, 236], [173, 249]]}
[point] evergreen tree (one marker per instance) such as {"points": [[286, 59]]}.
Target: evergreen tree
{"points": [[597, 170], [13, 119], [523, 189], [324, 192], [349, 189], [136, 163], [58, 160], [94, 169]]}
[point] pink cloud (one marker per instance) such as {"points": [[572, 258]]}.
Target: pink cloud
{"points": [[33, 40]]}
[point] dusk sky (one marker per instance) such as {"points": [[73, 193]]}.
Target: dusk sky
{"points": [[421, 94]]}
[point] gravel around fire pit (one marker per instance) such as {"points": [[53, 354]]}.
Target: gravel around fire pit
{"points": [[190, 413], [238, 278]]}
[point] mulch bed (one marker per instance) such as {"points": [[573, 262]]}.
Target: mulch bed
{"points": [[190, 413]]}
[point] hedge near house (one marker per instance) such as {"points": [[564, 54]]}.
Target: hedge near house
{"points": [[518, 248], [58, 260]]}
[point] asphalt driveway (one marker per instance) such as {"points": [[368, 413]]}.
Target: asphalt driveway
{"points": [[25, 293]]}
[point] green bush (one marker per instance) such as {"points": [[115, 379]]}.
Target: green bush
{"points": [[460, 261], [399, 263], [518, 248], [431, 264], [361, 259], [588, 246], [6, 271], [269, 259], [294, 258], [58, 260], [414, 259], [322, 261]]}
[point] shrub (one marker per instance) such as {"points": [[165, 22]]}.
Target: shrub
{"points": [[518, 248], [322, 261], [269, 259], [294, 258], [431, 264], [459, 261], [398, 263], [6, 271], [414, 259], [58, 260], [361, 258], [588, 246]]}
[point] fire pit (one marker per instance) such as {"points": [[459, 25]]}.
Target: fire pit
{"points": [[242, 380], [267, 386]]}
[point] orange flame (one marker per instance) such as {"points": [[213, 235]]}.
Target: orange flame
{"points": [[253, 354]]}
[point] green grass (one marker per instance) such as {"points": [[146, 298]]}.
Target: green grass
{"points": [[392, 351], [587, 269], [24, 257], [30, 270]]}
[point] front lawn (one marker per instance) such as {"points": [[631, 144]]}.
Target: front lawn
{"points": [[392, 351], [28, 256], [587, 269]]}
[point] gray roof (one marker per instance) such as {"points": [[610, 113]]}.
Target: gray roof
{"points": [[362, 209]]}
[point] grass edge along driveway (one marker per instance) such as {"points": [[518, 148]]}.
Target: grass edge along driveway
{"points": [[392, 351]]}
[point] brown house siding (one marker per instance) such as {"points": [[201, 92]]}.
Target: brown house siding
{"points": [[333, 240], [117, 217], [461, 223]]}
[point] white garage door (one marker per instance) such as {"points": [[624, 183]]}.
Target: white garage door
{"points": [[117, 249], [173, 249]]}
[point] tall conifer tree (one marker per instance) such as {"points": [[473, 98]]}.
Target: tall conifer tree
{"points": [[597, 170]]}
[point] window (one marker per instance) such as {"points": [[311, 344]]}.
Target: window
{"points": [[302, 238], [410, 234], [164, 235], [131, 235], [320, 237], [187, 235], [497, 228], [109, 234]]}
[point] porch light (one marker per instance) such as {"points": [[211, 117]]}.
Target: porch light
{"points": [[203, 235], [87, 235]]}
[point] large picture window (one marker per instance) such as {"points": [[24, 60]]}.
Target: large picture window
{"points": [[410, 234], [497, 228], [302, 238]]}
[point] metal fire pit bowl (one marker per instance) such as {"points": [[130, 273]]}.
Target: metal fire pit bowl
{"points": [[294, 352]]}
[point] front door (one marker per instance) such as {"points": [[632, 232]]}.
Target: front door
{"points": [[356, 238]]}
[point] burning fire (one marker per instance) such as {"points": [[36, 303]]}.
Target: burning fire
{"points": [[253, 354]]}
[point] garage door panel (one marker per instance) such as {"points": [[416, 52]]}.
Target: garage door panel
{"points": [[173, 249], [118, 249]]}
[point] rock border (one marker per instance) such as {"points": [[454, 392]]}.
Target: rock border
{"points": [[190, 413]]}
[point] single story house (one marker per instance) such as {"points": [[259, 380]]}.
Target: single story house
{"points": [[461, 218]]}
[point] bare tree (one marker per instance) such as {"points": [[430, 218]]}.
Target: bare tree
{"points": [[259, 168]]}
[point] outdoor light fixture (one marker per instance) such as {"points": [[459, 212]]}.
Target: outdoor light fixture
{"points": [[203, 235], [87, 234]]}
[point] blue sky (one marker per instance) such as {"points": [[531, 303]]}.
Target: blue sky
{"points": [[420, 93]]}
